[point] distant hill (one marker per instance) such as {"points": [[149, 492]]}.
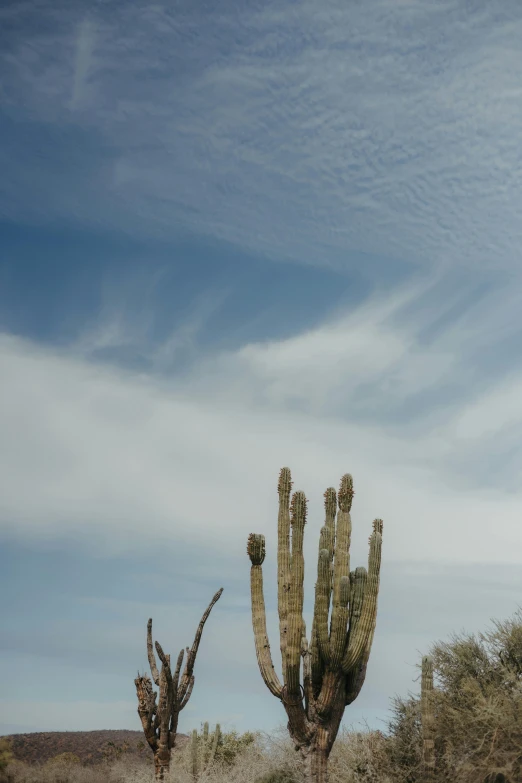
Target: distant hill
{"points": [[91, 747]]}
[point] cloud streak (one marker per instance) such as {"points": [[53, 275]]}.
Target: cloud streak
{"points": [[112, 448], [146, 432], [304, 133]]}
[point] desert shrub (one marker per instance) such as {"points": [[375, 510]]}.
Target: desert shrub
{"points": [[6, 757], [127, 771], [6, 754], [64, 759], [231, 744], [404, 746], [277, 776], [359, 757], [477, 710]]}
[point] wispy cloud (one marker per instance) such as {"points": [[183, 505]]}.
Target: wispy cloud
{"points": [[84, 48], [113, 448], [366, 141], [303, 132]]}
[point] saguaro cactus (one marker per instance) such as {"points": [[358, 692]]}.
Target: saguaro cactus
{"points": [[203, 751], [334, 664], [160, 721], [427, 718]]}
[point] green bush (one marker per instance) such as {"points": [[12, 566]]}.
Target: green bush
{"points": [[6, 754], [64, 759], [477, 710], [231, 744]]}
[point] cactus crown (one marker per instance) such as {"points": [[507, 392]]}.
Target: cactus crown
{"points": [[298, 508], [346, 493], [256, 548], [330, 501], [284, 485], [378, 526]]}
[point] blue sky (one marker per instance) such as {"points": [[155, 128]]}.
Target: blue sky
{"points": [[237, 236]]}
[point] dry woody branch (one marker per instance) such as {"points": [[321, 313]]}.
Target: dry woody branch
{"points": [[160, 720]]}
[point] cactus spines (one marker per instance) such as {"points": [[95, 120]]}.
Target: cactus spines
{"points": [[427, 717], [334, 663], [203, 750], [346, 493], [160, 721], [256, 549], [377, 526], [284, 484]]}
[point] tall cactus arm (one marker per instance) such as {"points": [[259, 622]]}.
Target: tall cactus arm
{"points": [[355, 678], [175, 678], [320, 639], [165, 740], [166, 692], [165, 660], [354, 682], [187, 695], [284, 487], [256, 553], [316, 662], [150, 654], [339, 630], [181, 687], [357, 587], [366, 626], [322, 601], [330, 508], [307, 671], [320, 653], [162, 701], [339, 623], [333, 679], [147, 708], [296, 595], [189, 666]]}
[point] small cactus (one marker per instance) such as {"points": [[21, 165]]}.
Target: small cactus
{"points": [[427, 718], [203, 751]]}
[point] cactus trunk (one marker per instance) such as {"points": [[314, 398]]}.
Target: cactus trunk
{"points": [[334, 663], [316, 762], [160, 721], [161, 764]]}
